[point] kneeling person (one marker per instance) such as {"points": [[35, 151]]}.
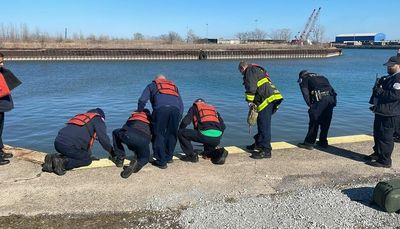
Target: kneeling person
{"points": [[136, 134], [208, 129], [74, 141]]}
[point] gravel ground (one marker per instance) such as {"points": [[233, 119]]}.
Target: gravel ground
{"points": [[307, 208]]}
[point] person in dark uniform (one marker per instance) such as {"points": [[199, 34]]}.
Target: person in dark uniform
{"points": [[136, 134], [167, 112], [260, 92], [386, 94], [208, 129], [320, 97], [75, 140], [8, 82]]}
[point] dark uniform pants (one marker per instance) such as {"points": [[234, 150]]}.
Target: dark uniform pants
{"points": [[135, 141], [263, 136], [76, 157], [187, 135], [384, 128], [165, 121], [320, 114]]}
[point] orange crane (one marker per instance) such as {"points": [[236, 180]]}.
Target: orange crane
{"points": [[310, 26]]}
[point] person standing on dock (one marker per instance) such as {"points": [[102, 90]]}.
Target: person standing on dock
{"points": [[136, 134], [75, 140], [260, 92], [208, 129], [387, 114], [320, 98], [8, 82], [167, 112]]}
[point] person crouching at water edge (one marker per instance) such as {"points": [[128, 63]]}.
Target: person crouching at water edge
{"points": [[136, 134], [75, 140], [260, 92], [167, 112], [208, 129]]}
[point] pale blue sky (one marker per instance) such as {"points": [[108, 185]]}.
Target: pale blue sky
{"points": [[122, 18]]}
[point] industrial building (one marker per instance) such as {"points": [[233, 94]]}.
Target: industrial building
{"points": [[364, 38]]}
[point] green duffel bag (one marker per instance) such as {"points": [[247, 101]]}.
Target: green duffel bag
{"points": [[387, 195]]}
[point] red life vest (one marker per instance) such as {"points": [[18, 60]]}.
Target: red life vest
{"points": [[83, 119], [139, 116], [207, 113], [4, 90], [166, 87]]}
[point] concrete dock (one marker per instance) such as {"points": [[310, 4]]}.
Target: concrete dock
{"points": [[97, 197]]}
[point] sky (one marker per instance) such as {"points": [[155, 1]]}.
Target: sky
{"points": [[212, 18]]}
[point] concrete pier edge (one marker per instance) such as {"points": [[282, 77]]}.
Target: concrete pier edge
{"points": [[38, 157]]}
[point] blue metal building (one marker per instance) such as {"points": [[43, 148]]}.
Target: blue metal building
{"points": [[363, 37]]}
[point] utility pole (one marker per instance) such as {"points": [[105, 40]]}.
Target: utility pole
{"points": [[65, 34]]}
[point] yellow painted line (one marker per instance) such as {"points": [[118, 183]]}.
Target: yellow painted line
{"points": [[350, 139], [282, 145]]}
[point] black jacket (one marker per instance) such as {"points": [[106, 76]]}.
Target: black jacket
{"points": [[388, 96], [201, 126], [79, 136], [314, 82], [144, 128]]}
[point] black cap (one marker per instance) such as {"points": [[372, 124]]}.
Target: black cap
{"points": [[199, 100], [393, 60], [302, 73], [98, 111]]}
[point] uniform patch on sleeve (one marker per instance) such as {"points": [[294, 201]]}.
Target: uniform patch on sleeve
{"points": [[396, 86]]}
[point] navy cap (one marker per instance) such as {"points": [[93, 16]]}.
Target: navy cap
{"points": [[393, 60]]}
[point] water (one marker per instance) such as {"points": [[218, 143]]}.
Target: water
{"points": [[52, 92]]}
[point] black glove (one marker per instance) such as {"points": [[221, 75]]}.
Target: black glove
{"points": [[378, 91]]}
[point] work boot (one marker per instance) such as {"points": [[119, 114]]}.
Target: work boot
{"points": [[5, 155], [59, 165], [170, 161], [47, 166], [119, 162], [158, 165], [221, 160], [378, 164], [4, 162], [322, 144], [132, 168], [372, 157], [305, 146], [191, 158], [254, 146], [262, 155]]}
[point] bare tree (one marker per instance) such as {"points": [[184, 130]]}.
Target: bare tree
{"points": [[258, 34], [138, 36], [191, 36], [318, 34], [171, 37], [281, 34], [242, 36]]}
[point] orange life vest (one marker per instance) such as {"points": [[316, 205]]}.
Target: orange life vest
{"points": [[4, 90], [207, 113], [166, 87], [139, 116], [83, 119]]}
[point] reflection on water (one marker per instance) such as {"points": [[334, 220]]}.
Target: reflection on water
{"points": [[52, 92]]}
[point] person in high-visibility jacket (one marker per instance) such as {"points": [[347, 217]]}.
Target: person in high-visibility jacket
{"points": [[136, 135], [167, 112], [8, 81], [260, 91], [208, 127], [74, 142]]}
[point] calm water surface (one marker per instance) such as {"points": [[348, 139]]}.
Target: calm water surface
{"points": [[52, 92]]}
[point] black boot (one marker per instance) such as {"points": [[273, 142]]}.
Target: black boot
{"points": [[47, 166], [5, 155], [3, 161], [220, 160], [132, 168], [59, 165], [192, 158], [119, 162]]}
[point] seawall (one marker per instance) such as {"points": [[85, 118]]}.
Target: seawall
{"points": [[165, 54]]}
